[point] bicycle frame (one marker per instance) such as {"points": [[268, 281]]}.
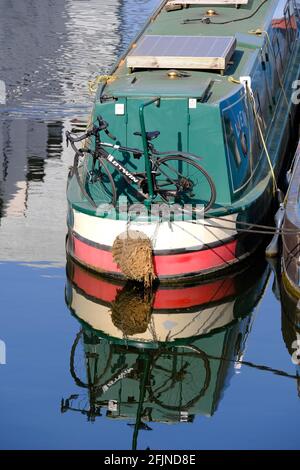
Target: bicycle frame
{"points": [[145, 147], [119, 167], [148, 164], [146, 181], [130, 177]]}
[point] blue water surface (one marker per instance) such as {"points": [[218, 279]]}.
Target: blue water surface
{"points": [[46, 61]]}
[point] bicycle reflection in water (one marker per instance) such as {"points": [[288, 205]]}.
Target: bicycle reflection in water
{"points": [[160, 357]]}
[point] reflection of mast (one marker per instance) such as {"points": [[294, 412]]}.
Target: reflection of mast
{"points": [[143, 383]]}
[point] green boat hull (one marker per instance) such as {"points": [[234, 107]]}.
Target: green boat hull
{"points": [[241, 134]]}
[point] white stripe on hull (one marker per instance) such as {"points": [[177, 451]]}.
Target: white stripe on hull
{"points": [[164, 235], [162, 326]]}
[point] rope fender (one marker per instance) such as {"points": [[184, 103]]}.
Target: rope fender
{"points": [[132, 252]]}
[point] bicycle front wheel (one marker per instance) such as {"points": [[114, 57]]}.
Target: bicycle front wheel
{"points": [[101, 185], [181, 180], [80, 171]]}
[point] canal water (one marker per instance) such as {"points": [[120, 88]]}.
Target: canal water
{"points": [[71, 373]]}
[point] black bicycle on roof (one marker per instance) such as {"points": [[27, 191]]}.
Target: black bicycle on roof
{"points": [[173, 177]]}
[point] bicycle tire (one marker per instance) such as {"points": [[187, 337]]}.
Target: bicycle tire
{"points": [[73, 371], [112, 199], [79, 179], [185, 406], [74, 375], [188, 161], [83, 183]]}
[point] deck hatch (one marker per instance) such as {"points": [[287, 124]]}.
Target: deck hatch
{"points": [[182, 52]]}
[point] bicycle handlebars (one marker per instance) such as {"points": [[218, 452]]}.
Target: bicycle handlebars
{"points": [[103, 125]]}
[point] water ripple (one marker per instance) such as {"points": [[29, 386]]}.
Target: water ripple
{"points": [[49, 50]]}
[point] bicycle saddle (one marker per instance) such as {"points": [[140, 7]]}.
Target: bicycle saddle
{"points": [[149, 135]]}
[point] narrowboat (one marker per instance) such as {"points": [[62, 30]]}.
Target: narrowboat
{"points": [[290, 259], [206, 84], [171, 368]]}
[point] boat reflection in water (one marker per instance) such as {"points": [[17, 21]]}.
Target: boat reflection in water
{"points": [[290, 326], [163, 356]]}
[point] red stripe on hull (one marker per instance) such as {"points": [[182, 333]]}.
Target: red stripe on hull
{"points": [[185, 297], [195, 261], [165, 265], [97, 288], [194, 296]]}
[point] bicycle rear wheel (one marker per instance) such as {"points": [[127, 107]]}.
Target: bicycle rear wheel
{"points": [[181, 180]]}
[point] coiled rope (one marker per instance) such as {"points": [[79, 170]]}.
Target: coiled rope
{"points": [[93, 84]]}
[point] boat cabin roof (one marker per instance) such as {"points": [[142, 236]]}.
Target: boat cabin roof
{"points": [[231, 31]]}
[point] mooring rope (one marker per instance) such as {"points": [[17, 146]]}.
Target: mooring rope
{"points": [[245, 230], [258, 120], [270, 231], [259, 32], [246, 363]]}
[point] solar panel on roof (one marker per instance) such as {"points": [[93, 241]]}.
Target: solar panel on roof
{"points": [[185, 52]]}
